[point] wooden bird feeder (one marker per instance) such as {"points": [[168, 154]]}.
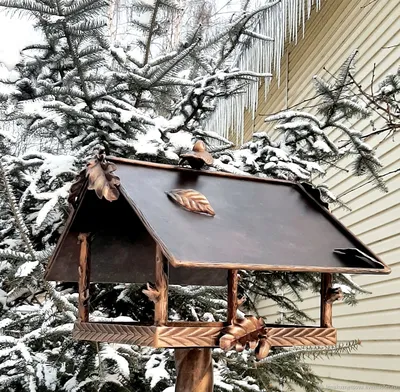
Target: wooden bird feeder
{"points": [[172, 225]]}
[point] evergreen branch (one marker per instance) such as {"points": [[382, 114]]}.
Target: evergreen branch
{"points": [[314, 352]]}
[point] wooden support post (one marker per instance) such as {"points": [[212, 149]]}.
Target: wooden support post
{"points": [[232, 295], [161, 305], [326, 306], [84, 277], [194, 370]]}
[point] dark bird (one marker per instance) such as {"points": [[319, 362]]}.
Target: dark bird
{"points": [[198, 157]]}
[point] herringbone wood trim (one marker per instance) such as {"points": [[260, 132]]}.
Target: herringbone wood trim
{"points": [[195, 336], [115, 333], [301, 336], [187, 336]]}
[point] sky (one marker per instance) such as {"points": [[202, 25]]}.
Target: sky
{"points": [[16, 32]]}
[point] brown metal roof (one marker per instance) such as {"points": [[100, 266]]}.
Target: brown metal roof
{"points": [[259, 224]]}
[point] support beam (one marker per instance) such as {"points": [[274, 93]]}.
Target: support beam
{"points": [[232, 295], [161, 305], [194, 370], [326, 304], [84, 277]]}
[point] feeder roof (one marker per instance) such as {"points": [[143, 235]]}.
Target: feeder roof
{"points": [[259, 224]]}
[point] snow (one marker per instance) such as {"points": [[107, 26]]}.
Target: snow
{"points": [[47, 376], [119, 53], [345, 289], [164, 124], [107, 352], [321, 145], [27, 308], [181, 139], [54, 18], [155, 370], [26, 268], [48, 207], [58, 164]]}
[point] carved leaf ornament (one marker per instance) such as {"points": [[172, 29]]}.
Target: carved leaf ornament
{"points": [[99, 173], [250, 333], [191, 200], [101, 178]]}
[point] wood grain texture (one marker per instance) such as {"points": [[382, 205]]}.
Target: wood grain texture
{"points": [[195, 336], [194, 370], [286, 337], [161, 305], [326, 306], [232, 294], [84, 277], [115, 333], [187, 336]]}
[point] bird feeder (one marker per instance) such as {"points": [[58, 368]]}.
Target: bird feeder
{"points": [[172, 225]]}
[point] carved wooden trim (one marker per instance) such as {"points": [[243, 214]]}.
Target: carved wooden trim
{"points": [[326, 306], [161, 306], [84, 277], [232, 295], [286, 337], [194, 370], [115, 333], [182, 337], [187, 336]]}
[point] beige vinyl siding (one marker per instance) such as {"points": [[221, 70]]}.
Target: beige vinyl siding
{"points": [[331, 35]]}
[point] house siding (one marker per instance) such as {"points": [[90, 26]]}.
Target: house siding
{"points": [[372, 27]]}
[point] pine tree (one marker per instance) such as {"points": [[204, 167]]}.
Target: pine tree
{"points": [[145, 97]]}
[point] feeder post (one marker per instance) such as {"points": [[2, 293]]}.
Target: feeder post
{"points": [[326, 306], [194, 370], [84, 277], [161, 305]]}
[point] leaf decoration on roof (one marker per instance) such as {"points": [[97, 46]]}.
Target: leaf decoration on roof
{"points": [[250, 333], [100, 177], [191, 200]]}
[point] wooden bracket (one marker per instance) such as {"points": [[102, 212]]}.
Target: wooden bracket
{"points": [[326, 305], [232, 295], [161, 303], [84, 277]]}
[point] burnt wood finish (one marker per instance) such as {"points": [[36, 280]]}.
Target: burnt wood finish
{"points": [[84, 277], [326, 306], [183, 335], [194, 370], [260, 224], [161, 305], [115, 333], [232, 295]]}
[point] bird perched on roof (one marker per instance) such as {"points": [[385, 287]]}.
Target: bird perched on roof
{"points": [[198, 157]]}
